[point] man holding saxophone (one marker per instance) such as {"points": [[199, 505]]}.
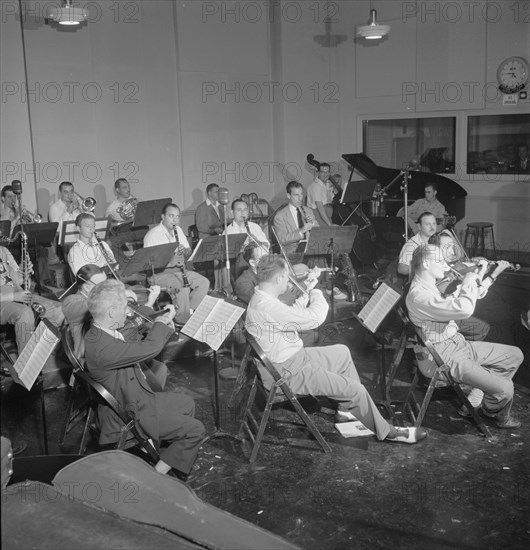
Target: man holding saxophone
{"points": [[189, 287]]}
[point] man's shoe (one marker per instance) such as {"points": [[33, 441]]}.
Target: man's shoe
{"points": [[337, 294], [408, 435], [344, 416], [508, 423]]}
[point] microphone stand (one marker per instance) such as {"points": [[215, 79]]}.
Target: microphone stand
{"points": [[227, 289], [405, 189]]}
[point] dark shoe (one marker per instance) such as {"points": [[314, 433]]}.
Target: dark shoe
{"points": [[507, 423], [408, 435]]}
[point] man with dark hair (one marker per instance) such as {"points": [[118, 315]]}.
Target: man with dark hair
{"points": [[188, 287], [209, 216], [9, 201], [327, 370], [521, 164], [428, 204], [66, 207], [426, 223], [293, 221], [483, 365], [320, 195], [113, 361], [122, 208]]}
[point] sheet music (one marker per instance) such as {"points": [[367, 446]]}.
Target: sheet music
{"points": [[378, 307], [212, 321], [192, 257], [35, 354]]}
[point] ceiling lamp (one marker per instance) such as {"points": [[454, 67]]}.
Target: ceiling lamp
{"points": [[68, 15], [373, 31]]}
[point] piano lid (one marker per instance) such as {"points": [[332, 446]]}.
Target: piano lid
{"points": [[367, 167]]}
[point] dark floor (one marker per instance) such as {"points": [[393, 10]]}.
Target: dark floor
{"points": [[454, 490]]}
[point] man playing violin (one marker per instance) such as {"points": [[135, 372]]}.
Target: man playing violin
{"points": [[75, 310], [327, 370], [428, 204], [320, 194], [483, 365], [189, 287], [472, 328], [113, 361], [426, 224]]}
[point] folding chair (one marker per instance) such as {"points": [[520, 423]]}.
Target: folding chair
{"points": [[441, 374], [95, 395], [251, 426]]}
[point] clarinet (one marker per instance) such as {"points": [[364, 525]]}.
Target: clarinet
{"points": [[106, 256], [185, 279]]}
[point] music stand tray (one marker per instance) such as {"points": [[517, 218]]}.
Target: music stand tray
{"points": [[144, 259], [39, 233], [357, 191], [149, 212], [214, 248], [321, 239]]}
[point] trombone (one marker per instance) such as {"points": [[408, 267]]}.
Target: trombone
{"points": [[87, 204]]}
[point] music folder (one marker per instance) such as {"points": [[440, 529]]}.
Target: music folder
{"points": [[324, 240], [214, 247], [357, 191], [144, 259], [149, 212]]}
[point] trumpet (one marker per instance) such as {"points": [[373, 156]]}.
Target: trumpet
{"points": [[127, 208], [30, 217], [87, 204]]}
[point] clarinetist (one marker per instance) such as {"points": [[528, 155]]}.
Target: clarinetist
{"points": [[185, 298]]}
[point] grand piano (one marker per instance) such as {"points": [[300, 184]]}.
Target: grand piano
{"points": [[450, 194], [389, 230]]}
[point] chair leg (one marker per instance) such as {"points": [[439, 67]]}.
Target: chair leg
{"points": [[262, 425], [67, 417], [307, 420], [89, 418], [427, 398], [463, 398], [241, 377]]}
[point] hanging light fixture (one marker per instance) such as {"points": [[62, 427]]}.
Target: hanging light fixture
{"points": [[68, 14], [373, 31]]}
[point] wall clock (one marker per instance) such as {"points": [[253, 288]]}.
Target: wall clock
{"points": [[512, 75]]}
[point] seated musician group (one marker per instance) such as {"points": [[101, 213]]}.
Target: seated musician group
{"points": [[124, 362]]}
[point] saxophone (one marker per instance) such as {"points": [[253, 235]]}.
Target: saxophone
{"points": [[25, 267], [182, 267]]}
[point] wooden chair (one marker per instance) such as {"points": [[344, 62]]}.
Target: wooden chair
{"points": [[94, 394], [442, 376], [252, 427]]}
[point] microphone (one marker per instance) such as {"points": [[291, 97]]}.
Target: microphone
{"points": [[17, 187], [223, 196]]}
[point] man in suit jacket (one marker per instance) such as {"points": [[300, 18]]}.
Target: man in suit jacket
{"points": [[209, 216], [293, 222], [113, 362]]}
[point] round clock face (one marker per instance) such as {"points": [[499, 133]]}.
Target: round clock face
{"points": [[512, 75]]}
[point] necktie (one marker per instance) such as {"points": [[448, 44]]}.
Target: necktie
{"points": [[299, 217]]}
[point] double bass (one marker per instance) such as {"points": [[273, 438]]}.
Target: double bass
{"points": [[364, 247]]}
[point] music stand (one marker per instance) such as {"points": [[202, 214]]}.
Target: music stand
{"points": [[146, 259], [5, 228], [357, 192], [214, 247], [69, 233], [211, 323], [38, 233], [331, 240], [149, 212]]}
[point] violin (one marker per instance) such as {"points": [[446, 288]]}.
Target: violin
{"points": [[449, 284]]}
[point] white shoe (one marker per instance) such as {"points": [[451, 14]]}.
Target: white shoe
{"points": [[337, 294]]}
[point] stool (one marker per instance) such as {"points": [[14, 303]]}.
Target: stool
{"points": [[476, 231]]}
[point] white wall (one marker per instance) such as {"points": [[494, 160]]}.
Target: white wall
{"points": [[167, 119]]}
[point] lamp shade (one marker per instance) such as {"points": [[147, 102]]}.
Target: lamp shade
{"points": [[68, 14], [373, 31]]}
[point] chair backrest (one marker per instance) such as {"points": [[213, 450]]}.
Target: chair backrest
{"points": [[102, 396], [260, 354]]}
